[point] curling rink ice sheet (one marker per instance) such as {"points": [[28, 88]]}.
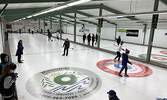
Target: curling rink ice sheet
{"points": [[85, 74]]}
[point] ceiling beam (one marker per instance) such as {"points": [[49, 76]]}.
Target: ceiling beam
{"points": [[85, 7], [115, 11], [15, 14], [89, 15], [29, 11], [53, 13], [164, 1], [68, 20], [1, 11], [29, 1], [58, 21], [80, 20]]}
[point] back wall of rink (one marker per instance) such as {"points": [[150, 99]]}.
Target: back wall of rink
{"points": [[108, 32]]}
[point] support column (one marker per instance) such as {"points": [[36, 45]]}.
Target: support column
{"points": [[39, 26], [153, 27], [2, 36], [44, 26], [98, 44], [116, 27], [60, 28], [75, 15], [2, 33], [145, 30], [51, 24]]}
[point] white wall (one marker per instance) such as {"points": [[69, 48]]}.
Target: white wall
{"points": [[25, 25], [160, 40], [137, 40], [92, 29], [108, 32], [78, 27], [70, 29], [1, 45]]}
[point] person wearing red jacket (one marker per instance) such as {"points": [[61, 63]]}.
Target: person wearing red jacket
{"points": [[89, 38]]}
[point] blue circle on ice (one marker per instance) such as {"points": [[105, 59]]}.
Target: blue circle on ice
{"points": [[119, 66]]}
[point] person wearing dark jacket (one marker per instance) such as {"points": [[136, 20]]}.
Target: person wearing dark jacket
{"points": [[118, 40], [4, 60], [66, 46], [112, 95], [19, 50], [124, 63], [84, 37], [8, 81], [49, 35], [93, 39], [96, 39]]}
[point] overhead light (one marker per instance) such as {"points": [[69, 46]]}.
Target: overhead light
{"points": [[29, 16], [62, 7], [59, 8], [77, 2], [51, 10]]}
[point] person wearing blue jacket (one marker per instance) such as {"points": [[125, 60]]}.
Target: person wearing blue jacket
{"points": [[4, 60], [112, 95], [19, 50], [49, 35], [124, 63]]}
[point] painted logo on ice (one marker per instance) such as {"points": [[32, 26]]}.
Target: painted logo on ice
{"points": [[135, 70], [63, 84]]}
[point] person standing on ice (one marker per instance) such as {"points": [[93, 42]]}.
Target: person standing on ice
{"points": [[118, 40], [66, 46], [124, 63], [119, 51]]}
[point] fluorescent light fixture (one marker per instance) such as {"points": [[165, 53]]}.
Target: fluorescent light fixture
{"points": [[51, 10], [16, 21], [59, 8], [24, 18], [29, 16], [62, 7], [77, 2]]}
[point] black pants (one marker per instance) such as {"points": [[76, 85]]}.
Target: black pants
{"points": [[83, 40], [66, 51], [19, 58], [118, 56], [92, 43], [49, 38], [126, 69], [118, 42], [88, 42]]}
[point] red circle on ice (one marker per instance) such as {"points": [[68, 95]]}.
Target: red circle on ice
{"points": [[159, 58], [135, 70], [163, 52]]}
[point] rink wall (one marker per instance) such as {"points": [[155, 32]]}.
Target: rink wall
{"points": [[1, 37], [108, 32]]}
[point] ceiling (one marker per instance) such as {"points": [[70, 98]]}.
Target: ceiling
{"points": [[17, 9]]}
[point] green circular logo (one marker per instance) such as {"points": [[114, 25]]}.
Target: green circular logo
{"points": [[65, 79], [65, 83]]}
